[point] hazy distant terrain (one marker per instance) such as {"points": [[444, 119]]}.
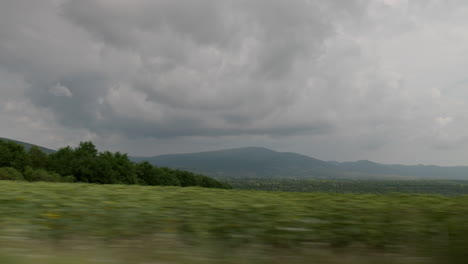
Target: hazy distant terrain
{"points": [[262, 163], [419, 171], [426, 186]]}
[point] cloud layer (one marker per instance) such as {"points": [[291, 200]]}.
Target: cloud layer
{"points": [[334, 79]]}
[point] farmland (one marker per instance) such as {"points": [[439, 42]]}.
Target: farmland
{"points": [[442, 187], [175, 224]]}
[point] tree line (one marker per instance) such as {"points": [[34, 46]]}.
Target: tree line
{"points": [[86, 164]]}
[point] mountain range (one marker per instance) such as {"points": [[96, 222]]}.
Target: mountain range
{"points": [[250, 162], [263, 163]]}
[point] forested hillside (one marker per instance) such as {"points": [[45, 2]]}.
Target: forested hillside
{"points": [[86, 164]]}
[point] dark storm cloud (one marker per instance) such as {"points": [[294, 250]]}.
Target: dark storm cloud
{"points": [[171, 68]]}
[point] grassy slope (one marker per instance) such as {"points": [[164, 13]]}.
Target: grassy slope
{"points": [[429, 225]]}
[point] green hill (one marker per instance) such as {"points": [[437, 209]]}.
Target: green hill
{"points": [[262, 163], [27, 146], [250, 162]]}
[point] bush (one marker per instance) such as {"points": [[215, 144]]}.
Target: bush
{"points": [[10, 174], [42, 175]]}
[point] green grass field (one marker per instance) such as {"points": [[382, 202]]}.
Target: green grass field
{"points": [[86, 223]]}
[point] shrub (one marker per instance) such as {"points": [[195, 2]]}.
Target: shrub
{"points": [[42, 175], [11, 174]]}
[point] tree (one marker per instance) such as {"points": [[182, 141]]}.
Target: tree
{"points": [[79, 162], [84, 162], [125, 169], [13, 155], [105, 169], [151, 175], [186, 178], [62, 160], [145, 173], [38, 159], [86, 148], [168, 177], [114, 168]]}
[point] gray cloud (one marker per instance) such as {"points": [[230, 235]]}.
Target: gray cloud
{"points": [[187, 67], [295, 75]]}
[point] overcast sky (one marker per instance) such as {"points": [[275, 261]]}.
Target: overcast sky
{"points": [[384, 80]]}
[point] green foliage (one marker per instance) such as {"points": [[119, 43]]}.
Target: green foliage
{"points": [[35, 175], [85, 164], [10, 174], [114, 168], [151, 175], [62, 160], [208, 182], [38, 158], [13, 155]]}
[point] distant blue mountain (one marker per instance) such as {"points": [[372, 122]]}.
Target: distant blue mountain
{"points": [[250, 162], [262, 163]]}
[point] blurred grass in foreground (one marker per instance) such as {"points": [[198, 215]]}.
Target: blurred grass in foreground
{"points": [[85, 223]]}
